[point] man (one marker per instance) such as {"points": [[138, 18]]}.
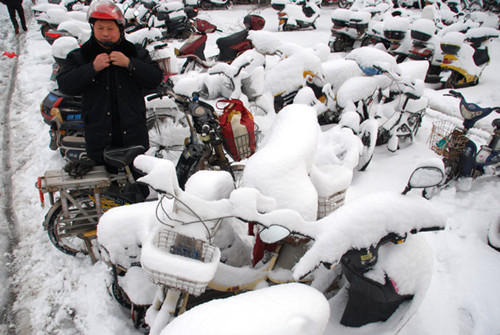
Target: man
{"points": [[110, 74], [16, 6]]}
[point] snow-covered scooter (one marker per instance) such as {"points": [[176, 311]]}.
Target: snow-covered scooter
{"points": [[463, 63], [349, 30], [300, 15], [215, 4], [460, 158]]}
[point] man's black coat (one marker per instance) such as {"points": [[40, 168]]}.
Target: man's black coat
{"points": [[113, 106]]}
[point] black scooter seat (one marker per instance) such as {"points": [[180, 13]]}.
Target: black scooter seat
{"points": [[226, 42], [120, 157]]}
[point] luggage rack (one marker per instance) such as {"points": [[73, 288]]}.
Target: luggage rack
{"points": [[78, 221], [57, 180]]}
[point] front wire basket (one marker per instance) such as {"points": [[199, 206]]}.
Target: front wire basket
{"points": [[172, 244], [446, 139], [241, 147]]}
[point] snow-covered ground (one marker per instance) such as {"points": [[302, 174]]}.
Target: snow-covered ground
{"points": [[59, 294]]}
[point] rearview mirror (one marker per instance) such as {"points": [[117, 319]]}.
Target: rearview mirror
{"points": [[273, 234], [424, 177]]}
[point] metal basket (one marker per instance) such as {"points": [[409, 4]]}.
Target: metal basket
{"points": [[328, 204], [171, 243], [241, 147], [446, 139]]}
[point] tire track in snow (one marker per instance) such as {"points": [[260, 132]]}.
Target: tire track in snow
{"points": [[7, 314]]}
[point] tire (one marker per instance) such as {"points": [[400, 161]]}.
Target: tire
{"points": [[453, 80], [340, 45], [44, 28], [256, 110], [367, 41], [343, 3], [205, 5], [368, 134], [120, 296], [475, 6], [189, 65], [72, 243]]}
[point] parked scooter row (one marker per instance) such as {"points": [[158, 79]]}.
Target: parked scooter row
{"points": [[457, 53], [173, 20]]}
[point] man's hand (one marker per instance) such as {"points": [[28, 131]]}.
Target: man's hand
{"points": [[101, 62], [119, 59]]}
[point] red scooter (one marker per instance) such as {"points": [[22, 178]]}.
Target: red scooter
{"points": [[229, 47]]}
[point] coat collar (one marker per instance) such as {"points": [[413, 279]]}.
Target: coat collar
{"points": [[91, 49]]}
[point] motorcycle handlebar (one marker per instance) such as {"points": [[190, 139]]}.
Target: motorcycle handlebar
{"points": [[455, 94], [154, 96]]}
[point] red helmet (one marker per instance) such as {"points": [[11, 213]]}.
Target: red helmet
{"points": [[105, 10]]}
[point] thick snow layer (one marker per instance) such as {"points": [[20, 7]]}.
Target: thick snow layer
{"points": [[281, 167], [453, 38], [396, 24], [425, 26], [288, 309], [63, 45]]}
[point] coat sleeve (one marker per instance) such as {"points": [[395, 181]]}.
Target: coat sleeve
{"points": [[75, 76], [145, 71]]}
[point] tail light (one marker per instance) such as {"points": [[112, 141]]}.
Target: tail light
{"points": [[39, 186], [52, 35]]}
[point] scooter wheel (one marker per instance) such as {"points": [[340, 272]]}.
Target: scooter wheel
{"points": [[205, 5], [453, 80], [343, 3], [66, 235], [339, 45], [44, 29]]}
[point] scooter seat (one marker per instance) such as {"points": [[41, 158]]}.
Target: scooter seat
{"points": [[120, 157], [226, 42], [230, 46]]}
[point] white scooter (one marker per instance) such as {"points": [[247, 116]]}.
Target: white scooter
{"points": [[300, 15]]}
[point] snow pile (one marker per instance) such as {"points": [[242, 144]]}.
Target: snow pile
{"points": [[282, 165], [288, 309], [63, 45], [341, 230], [289, 73], [453, 38], [396, 24], [425, 26]]}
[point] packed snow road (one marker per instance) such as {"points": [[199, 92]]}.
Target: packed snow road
{"points": [[54, 293], [8, 224]]}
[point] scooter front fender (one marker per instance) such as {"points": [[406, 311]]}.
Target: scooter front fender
{"points": [[447, 70]]}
